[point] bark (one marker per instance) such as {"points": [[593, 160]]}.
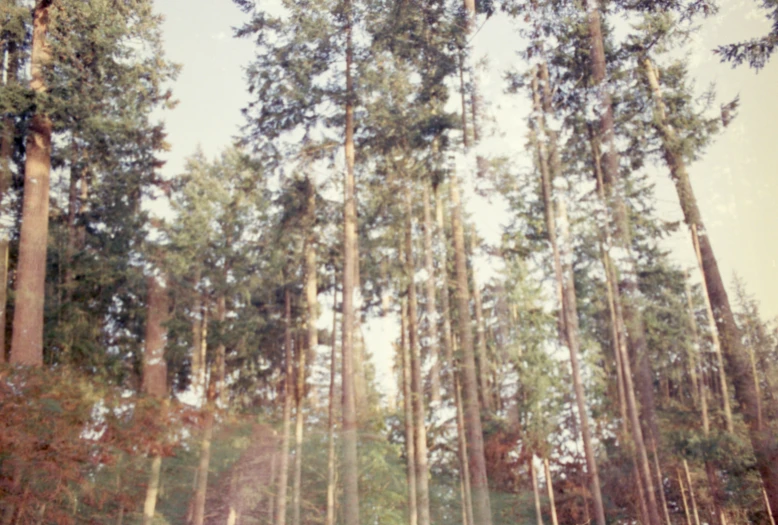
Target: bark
{"points": [[331, 415], [410, 445], [27, 337], [661, 487], [154, 380], [417, 386], [467, 503], [482, 513], [535, 490], [152, 490], [198, 514], [350, 465], [550, 489], [691, 493], [448, 344], [767, 507], [683, 498], [283, 476], [482, 361], [199, 334], [737, 361], [432, 312]]}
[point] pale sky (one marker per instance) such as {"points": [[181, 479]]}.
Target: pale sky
{"points": [[735, 183]]}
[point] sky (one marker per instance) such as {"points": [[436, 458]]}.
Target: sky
{"points": [[735, 182]]}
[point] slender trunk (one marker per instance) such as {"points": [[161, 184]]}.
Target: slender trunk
{"points": [[563, 269], [691, 493], [198, 323], [152, 490], [550, 489], [767, 506], [350, 465], [331, 414], [410, 446], [6, 153], [694, 351], [467, 502], [535, 490], [661, 487], [737, 362], [417, 386], [283, 476], [27, 338], [716, 496], [198, 514], [482, 513], [629, 321], [70, 246], [312, 306], [683, 498], [432, 312], [573, 344], [482, 361], [448, 344]]}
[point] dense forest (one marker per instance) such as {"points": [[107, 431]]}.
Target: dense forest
{"points": [[196, 349]]}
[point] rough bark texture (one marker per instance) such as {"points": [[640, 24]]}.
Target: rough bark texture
{"points": [[417, 385], [737, 361], [429, 287], [410, 445], [198, 514], [150, 504], [283, 475], [27, 338], [350, 466]]}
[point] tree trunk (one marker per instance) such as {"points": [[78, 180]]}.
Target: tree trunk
{"points": [[445, 301], [283, 476], [152, 490], [563, 268], [482, 361], [198, 514], [312, 306], [350, 461], [331, 414], [691, 493], [535, 491], [432, 312], [683, 498], [27, 338], [550, 489], [633, 329], [661, 487], [410, 445], [737, 361], [482, 513], [6, 153], [154, 380], [417, 385], [462, 446]]}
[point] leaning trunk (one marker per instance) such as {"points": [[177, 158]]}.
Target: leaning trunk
{"points": [[737, 361], [27, 338]]}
